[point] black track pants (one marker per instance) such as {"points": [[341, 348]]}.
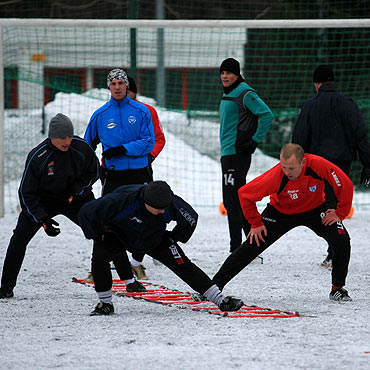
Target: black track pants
{"points": [[278, 224], [345, 166], [24, 231], [234, 173], [171, 256], [111, 181]]}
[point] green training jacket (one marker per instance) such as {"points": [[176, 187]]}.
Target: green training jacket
{"points": [[244, 116]]}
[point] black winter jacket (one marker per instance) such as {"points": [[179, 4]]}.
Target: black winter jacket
{"points": [[331, 125], [123, 212], [51, 176]]}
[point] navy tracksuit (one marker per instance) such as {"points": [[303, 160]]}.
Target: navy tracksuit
{"points": [[119, 221], [49, 179]]}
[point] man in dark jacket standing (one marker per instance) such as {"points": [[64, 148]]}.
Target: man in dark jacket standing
{"points": [[245, 121], [134, 218], [331, 125], [57, 179]]}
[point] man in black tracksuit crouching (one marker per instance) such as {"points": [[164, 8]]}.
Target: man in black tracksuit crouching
{"points": [[58, 178], [134, 218]]}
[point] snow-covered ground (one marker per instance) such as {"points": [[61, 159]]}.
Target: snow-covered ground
{"points": [[47, 324]]}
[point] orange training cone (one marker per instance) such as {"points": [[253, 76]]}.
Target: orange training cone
{"points": [[222, 209], [350, 214]]}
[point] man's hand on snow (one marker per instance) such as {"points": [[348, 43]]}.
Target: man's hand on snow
{"points": [[256, 234]]}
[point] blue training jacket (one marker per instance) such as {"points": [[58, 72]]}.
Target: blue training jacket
{"points": [[128, 123]]}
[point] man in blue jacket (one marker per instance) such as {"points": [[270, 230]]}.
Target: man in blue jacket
{"points": [[134, 218], [57, 179], [124, 127]]}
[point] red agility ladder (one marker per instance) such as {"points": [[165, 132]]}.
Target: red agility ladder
{"points": [[183, 300]]}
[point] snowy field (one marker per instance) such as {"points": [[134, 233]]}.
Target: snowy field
{"points": [[47, 324]]}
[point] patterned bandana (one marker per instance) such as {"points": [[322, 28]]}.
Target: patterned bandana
{"points": [[117, 74]]}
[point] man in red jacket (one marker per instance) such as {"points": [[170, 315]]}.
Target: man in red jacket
{"points": [[159, 141], [296, 189]]}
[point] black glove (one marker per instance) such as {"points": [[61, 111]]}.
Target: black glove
{"points": [[249, 147], [114, 152], [151, 159], [47, 224], [79, 197], [365, 177]]}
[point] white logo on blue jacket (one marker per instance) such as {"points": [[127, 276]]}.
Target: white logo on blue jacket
{"points": [[132, 119], [111, 125]]}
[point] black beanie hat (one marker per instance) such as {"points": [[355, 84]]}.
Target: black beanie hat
{"points": [[323, 73], [158, 195], [230, 65], [132, 85], [60, 126]]}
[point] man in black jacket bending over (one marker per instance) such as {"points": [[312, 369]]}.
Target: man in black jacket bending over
{"points": [[134, 218], [57, 179]]}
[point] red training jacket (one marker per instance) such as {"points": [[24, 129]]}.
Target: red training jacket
{"points": [[159, 139], [303, 194]]}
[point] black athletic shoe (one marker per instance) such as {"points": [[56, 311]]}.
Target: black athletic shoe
{"points": [[103, 309], [6, 293], [340, 294], [135, 287], [231, 304]]}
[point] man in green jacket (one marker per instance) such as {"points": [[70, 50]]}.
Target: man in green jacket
{"points": [[245, 121]]}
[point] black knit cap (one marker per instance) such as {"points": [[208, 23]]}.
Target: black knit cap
{"points": [[323, 73], [158, 195], [230, 65], [132, 85]]}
